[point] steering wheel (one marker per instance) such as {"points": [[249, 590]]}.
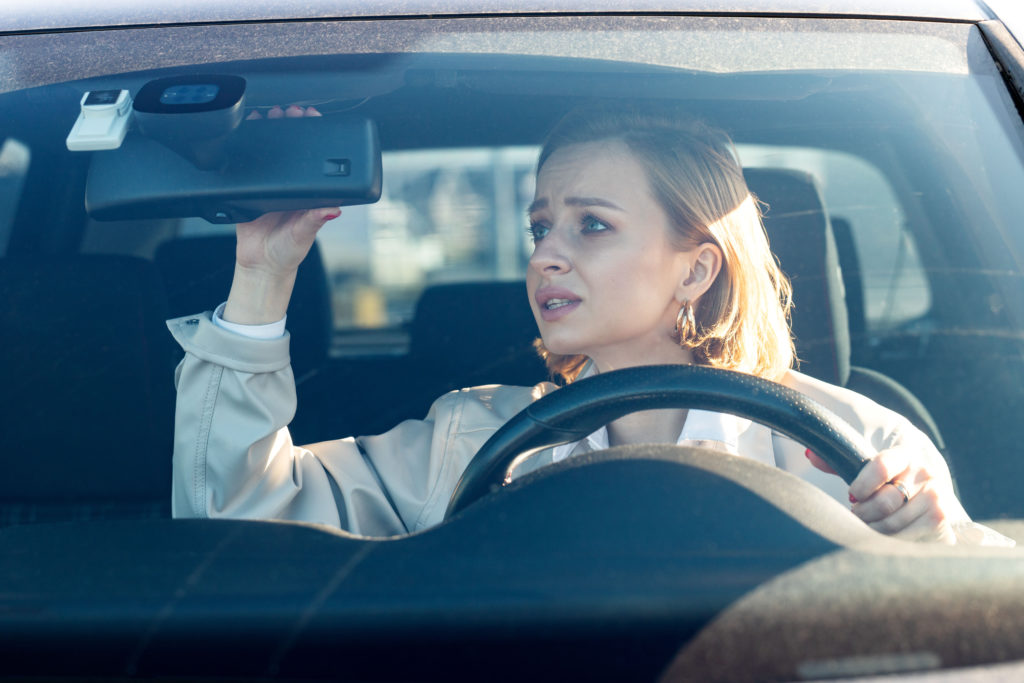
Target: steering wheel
{"points": [[579, 409]]}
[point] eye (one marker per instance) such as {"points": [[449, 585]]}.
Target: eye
{"points": [[592, 224], [537, 231]]}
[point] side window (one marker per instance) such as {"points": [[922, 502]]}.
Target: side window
{"points": [[444, 216], [868, 219]]}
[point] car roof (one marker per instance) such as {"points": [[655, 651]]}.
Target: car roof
{"points": [[48, 15]]}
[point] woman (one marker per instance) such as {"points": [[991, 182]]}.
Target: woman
{"points": [[648, 249]]}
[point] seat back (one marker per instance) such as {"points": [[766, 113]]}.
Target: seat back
{"points": [[469, 333], [461, 335], [801, 237], [849, 263], [88, 395]]}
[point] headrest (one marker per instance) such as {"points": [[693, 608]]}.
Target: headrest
{"points": [[801, 237], [480, 331], [88, 392], [197, 275]]}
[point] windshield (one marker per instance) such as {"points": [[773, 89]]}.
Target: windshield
{"points": [[360, 347], [905, 130]]}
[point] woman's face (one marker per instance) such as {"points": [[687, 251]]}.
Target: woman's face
{"points": [[604, 278]]}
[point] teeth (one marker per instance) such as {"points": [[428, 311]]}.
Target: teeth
{"points": [[557, 303]]}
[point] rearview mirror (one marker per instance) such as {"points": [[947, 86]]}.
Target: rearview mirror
{"points": [[270, 165]]}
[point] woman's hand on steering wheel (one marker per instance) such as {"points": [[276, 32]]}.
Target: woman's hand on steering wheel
{"points": [[907, 492]]}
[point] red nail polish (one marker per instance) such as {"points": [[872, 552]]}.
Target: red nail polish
{"points": [[807, 453], [852, 499]]}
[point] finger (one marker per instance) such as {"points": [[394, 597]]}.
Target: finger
{"points": [[311, 221], [902, 515], [313, 111], [254, 115], [329, 214], [880, 505], [274, 219], [294, 112], [921, 519], [275, 113], [267, 220], [818, 462], [879, 471]]}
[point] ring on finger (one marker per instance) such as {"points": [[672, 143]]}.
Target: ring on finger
{"points": [[902, 488]]}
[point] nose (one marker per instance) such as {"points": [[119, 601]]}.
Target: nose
{"points": [[550, 255]]}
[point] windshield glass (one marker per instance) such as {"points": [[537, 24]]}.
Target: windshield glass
{"points": [[906, 130]]}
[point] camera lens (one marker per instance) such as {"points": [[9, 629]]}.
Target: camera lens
{"points": [[97, 97]]}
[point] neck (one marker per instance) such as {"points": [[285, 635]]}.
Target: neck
{"points": [[648, 426], [606, 362]]}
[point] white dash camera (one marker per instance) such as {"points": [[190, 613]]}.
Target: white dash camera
{"points": [[102, 121]]}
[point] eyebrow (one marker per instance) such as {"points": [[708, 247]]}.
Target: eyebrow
{"points": [[576, 201]]}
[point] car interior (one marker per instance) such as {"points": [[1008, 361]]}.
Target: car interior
{"points": [[445, 350]]}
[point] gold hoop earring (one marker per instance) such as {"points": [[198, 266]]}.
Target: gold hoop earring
{"points": [[686, 325]]}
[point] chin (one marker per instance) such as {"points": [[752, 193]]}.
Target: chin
{"points": [[561, 347]]}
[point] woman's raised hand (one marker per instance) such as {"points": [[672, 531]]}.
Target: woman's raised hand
{"points": [[270, 249], [275, 244], [267, 257]]}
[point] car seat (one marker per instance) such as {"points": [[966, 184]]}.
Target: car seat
{"points": [[469, 333], [461, 335], [801, 236], [88, 395]]}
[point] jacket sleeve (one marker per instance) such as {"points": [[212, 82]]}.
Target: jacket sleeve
{"points": [[234, 457]]}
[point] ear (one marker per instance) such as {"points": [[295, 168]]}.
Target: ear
{"points": [[703, 264]]}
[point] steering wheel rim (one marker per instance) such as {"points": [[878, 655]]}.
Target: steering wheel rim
{"points": [[579, 409]]}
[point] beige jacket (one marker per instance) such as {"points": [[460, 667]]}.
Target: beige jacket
{"points": [[233, 455]]}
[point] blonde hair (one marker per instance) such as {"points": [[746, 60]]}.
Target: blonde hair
{"points": [[742, 321]]}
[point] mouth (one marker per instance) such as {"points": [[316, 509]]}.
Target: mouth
{"points": [[556, 302], [553, 304]]}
